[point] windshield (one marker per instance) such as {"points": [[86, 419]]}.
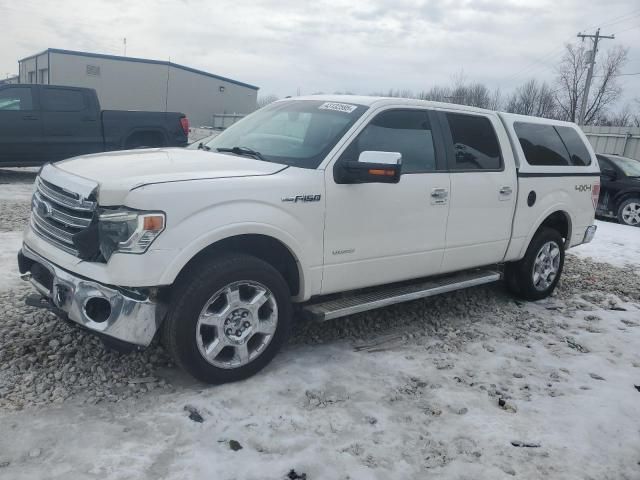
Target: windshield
{"points": [[629, 166], [296, 132]]}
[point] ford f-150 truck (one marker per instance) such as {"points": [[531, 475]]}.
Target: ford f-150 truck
{"points": [[45, 123], [316, 206]]}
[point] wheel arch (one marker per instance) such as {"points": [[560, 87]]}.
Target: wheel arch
{"points": [[141, 132], [263, 246], [558, 219]]}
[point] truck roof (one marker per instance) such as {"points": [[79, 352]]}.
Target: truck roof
{"points": [[371, 101], [382, 101]]}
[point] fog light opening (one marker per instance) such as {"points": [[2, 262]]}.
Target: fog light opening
{"points": [[97, 309]]}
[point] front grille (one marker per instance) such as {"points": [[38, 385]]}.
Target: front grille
{"points": [[58, 215]]}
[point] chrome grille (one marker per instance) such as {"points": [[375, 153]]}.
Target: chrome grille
{"points": [[57, 215]]}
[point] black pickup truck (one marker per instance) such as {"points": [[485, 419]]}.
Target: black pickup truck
{"points": [[46, 123]]}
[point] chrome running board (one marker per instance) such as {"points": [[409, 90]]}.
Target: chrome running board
{"points": [[385, 296]]}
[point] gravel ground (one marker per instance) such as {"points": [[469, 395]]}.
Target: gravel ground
{"points": [[44, 360], [14, 210]]}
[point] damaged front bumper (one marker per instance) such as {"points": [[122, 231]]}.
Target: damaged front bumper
{"points": [[128, 316]]}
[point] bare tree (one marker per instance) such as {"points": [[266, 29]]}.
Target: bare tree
{"points": [[622, 118], [533, 98], [572, 73], [265, 100]]}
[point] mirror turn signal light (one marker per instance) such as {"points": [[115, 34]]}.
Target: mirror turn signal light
{"points": [[382, 172]]}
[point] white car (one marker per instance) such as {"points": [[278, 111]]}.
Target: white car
{"points": [[323, 205]]}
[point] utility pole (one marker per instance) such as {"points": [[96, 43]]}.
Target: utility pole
{"points": [[592, 61]]}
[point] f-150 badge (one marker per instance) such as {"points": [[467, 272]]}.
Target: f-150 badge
{"points": [[302, 198]]}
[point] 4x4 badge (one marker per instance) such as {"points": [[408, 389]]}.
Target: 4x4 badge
{"points": [[302, 198]]}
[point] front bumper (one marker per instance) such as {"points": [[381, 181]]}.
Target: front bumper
{"points": [[128, 316]]}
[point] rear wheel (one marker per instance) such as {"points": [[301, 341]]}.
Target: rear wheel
{"points": [[228, 318], [629, 212], [537, 274]]}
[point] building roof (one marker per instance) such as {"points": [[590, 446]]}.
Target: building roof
{"points": [[140, 60]]}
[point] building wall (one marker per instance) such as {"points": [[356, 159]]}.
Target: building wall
{"points": [[120, 85], [131, 85], [624, 141], [202, 97], [10, 80], [35, 69]]}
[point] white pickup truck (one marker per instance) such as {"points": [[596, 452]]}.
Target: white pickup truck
{"points": [[321, 206]]}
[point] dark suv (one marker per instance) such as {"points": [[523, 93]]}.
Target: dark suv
{"points": [[619, 189]]}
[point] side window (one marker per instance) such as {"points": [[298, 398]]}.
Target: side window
{"points": [[475, 143], [404, 131], [579, 154], [541, 144], [16, 99], [62, 100]]}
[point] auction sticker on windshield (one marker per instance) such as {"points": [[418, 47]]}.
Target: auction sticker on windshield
{"points": [[338, 107]]}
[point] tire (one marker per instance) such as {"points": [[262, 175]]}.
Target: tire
{"points": [[535, 276], [222, 306], [629, 212]]}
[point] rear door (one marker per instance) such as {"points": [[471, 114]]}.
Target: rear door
{"points": [[20, 127], [378, 233], [71, 122], [483, 190]]}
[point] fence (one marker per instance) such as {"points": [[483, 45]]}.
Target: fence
{"points": [[624, 141]]}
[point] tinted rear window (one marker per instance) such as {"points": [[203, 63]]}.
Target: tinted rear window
{"points": [[579, 154], [61, 100], [474, 142], [541, 144]]}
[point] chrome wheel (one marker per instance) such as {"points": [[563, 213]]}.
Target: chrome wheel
{"points": [[236, 324], [546, 266], [631, 214]]}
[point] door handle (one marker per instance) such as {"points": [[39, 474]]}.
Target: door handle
{"points": [[30, 117], [506, 191], [88, 119], [439, 196]]}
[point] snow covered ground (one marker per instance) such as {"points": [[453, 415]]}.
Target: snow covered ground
{"points": [[614, 243], [472, 385]]}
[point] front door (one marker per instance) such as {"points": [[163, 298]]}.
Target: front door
{"points": [[379, 233], [20, 127], [71, 124], [483, 191]]}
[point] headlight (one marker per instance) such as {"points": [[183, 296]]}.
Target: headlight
{"points": [[128, 231]]}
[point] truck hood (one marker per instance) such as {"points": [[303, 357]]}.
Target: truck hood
{"points": [[117, 173]]}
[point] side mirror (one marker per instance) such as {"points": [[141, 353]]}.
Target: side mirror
{"points": [[609, 173], [371, 167]]}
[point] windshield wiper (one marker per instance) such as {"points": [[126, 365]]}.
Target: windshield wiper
{"points": [[202, 146], [242, 151]]}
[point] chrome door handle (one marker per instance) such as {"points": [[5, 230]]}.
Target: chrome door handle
{"points": [[506, 191], [439, 193], [439, 196]]}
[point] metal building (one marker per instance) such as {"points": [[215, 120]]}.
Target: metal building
{"points": [[624, 141], [126, 83], [10, 80]]}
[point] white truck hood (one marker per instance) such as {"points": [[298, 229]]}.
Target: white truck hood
{"points": [[117, 173]]}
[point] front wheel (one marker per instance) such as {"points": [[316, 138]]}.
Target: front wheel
{"points": [[228, 318], [629, 212], [537, 274]]}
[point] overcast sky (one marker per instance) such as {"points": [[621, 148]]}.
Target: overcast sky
{"points": [[329, 45]]}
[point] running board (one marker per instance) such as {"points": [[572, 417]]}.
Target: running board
{"points": [[383, 297]]}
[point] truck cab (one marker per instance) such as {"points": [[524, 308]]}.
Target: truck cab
{"points": [[316, 206]]}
